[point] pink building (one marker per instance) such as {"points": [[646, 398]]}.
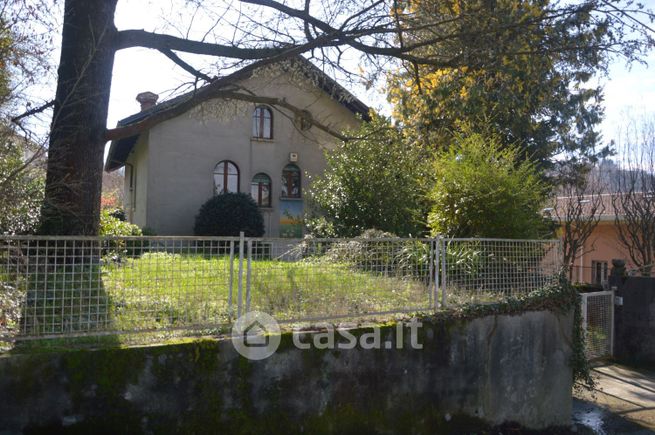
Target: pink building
{"points": [[593, 263]]}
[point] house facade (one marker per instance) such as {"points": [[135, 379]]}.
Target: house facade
{"points": [[594, 260], [229, 145]]}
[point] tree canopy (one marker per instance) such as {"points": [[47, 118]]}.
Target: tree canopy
{"points": [[524, 74], [5, 48], [254, 32], [26, 42], [22, 167]]}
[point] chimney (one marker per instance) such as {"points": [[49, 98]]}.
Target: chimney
{"points": [[147, 100]]}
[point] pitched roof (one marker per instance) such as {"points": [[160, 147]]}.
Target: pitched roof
{"points": [[121, 148], [606, 209]]}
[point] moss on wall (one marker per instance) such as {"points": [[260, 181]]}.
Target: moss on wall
{"points": [[456, 384]]}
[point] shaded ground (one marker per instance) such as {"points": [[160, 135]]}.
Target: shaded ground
{"points": [[623, 403]]}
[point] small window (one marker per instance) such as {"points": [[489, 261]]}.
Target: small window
{"points": [[226, 177], [262, 123], [291, 181], [599, 272], [260, 190]]}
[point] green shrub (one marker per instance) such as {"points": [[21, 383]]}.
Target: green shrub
{"points": [[365, 251], [374, 181], [484, 190], [10, 307], [22, 188], [373, 251], [228, 214], [110, 225]]}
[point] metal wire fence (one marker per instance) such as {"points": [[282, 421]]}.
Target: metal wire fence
{"points": [[332, 278], [598, 323], [76, 286], [91, 286], [488, 270]]}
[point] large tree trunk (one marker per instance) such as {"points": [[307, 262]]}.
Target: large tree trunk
{"points": [[76, 151]]}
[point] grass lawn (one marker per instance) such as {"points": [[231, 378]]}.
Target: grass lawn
{"points": [[162, 290]]}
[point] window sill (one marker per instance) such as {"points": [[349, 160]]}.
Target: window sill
{"points": [[286, 198], [265, 208], [261, 139]]}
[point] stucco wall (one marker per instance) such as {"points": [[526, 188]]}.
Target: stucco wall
{"points": [[136, 183], [183, 151], [469, 375], [602, 245]]}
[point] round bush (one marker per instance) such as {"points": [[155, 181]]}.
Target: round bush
{"points": [[228, 214]]}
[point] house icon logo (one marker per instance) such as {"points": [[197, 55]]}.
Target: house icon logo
{"points": [[256, 335]]}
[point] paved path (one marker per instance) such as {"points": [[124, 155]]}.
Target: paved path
{"points": [[624, 402]]}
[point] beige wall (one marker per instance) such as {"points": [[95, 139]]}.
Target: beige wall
{"points": [[136, 183], [181, 153]]}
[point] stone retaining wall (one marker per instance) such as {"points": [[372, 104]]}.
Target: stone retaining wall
{"points": [[468, 376]]}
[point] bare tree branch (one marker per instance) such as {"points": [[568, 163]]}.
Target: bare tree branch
{"points": [[34, 111], [141, 38], [577, 212], [634, 203], [188, 68]]}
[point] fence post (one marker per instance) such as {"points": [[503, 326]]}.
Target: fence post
{"points": [[442, 253], [231, 283], [612, 309], [240, 278], [248, 270], [436, 261]]}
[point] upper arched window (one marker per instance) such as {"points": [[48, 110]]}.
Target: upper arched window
{"points": [[291, 181], [262, 123], [226, 177], [260, 189]]}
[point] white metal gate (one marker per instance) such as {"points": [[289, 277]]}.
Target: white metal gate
{"points": [[598, 323]]}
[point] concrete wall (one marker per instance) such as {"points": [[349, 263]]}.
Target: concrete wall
{"points": [[183, 151], [469, 375], [634, 339]]}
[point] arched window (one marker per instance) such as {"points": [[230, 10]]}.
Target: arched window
{"points": [[291, 181], [262, 123], [226, 177], [260, 189]]}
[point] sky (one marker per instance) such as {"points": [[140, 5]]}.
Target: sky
{"points": [[629, 90]]}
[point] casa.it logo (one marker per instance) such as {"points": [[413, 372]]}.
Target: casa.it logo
{"points": [[256, 335]]}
